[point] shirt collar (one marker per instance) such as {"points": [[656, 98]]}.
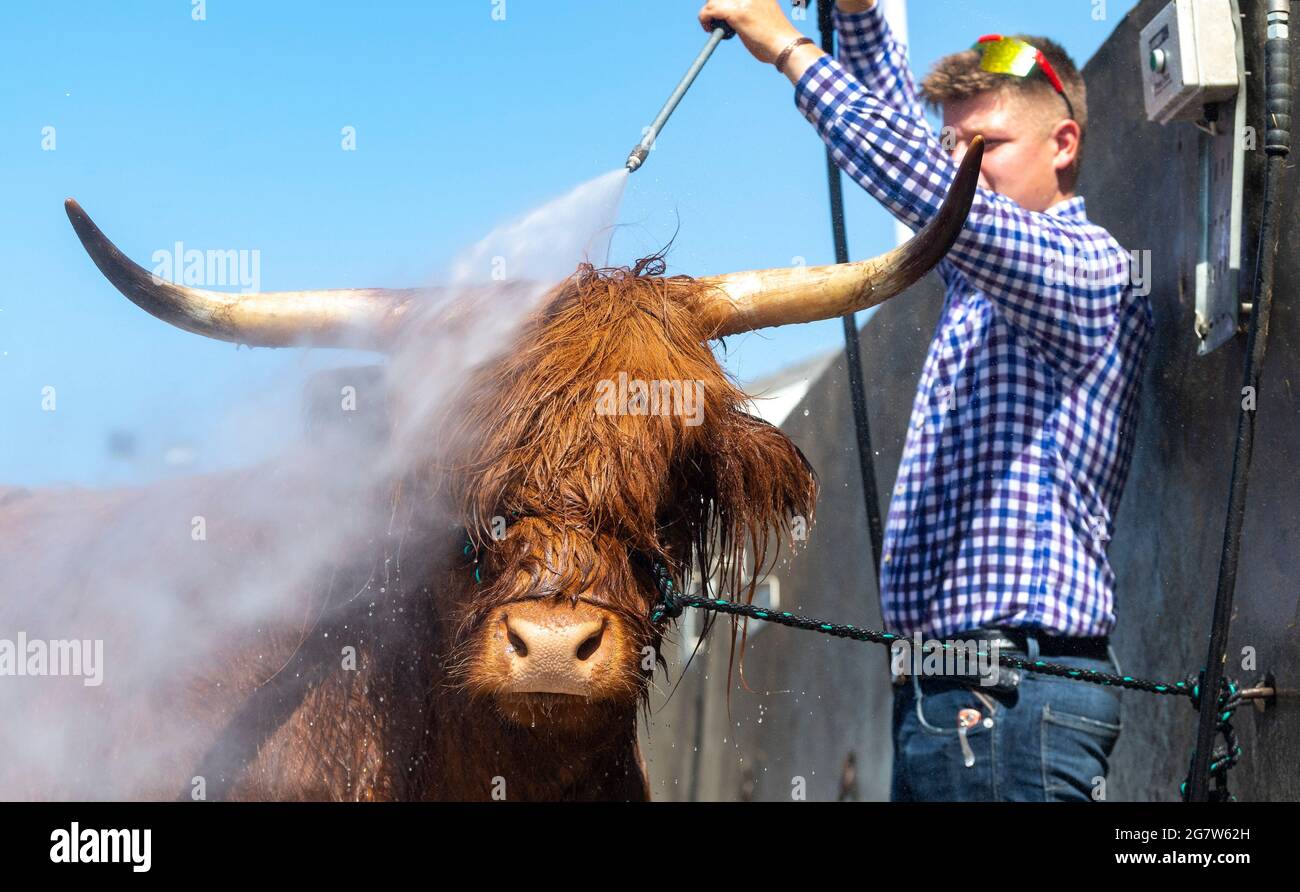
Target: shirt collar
{"points": [[1069, 209]]}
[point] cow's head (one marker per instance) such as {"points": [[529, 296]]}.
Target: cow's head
{"points": [[605, 450]]}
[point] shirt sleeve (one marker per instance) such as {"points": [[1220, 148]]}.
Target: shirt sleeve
{"points": [[869, 51], [1057, 281]]}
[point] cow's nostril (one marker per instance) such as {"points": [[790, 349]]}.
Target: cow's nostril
{"points": [[516, 643], [591, 645]]}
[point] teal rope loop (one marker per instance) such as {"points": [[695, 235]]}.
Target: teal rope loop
{"points": [[669, 606], [1223, 757]]}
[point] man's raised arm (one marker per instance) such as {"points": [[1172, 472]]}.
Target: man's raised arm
{"points": [[1056, 280], [871, 53]]}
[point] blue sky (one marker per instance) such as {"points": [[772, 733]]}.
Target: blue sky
{"points": [[225, 133]]}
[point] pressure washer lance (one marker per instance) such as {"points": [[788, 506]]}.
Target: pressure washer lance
{"points": [[721, 32]]}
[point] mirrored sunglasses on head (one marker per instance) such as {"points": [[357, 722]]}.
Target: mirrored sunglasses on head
{"points": [[1010, 55]]}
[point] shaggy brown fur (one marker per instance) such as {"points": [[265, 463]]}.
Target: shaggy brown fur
{"points": [[526, 442], [591, 499]]}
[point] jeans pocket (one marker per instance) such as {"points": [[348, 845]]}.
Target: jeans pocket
{"points": [[944, 748], [1076, 751]]}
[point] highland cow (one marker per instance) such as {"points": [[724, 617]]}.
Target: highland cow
{"points": [[511, 654]]}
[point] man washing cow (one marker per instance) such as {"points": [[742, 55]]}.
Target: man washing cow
{"points": [[528, 532], [1022, 427], [511, 666]]}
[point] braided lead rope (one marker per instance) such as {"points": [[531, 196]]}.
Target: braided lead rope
{"points": [[672, 606]]}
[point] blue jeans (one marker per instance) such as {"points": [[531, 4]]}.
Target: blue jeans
{"points": [[1048, 740]]}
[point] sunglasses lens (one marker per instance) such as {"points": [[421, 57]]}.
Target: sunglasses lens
{"points": [[1009, 56]]}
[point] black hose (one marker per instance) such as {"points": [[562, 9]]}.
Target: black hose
{"points": [[852, 354], [1277, 145]]}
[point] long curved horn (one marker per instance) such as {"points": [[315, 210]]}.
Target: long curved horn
{"points": [[356, 317], [762, 298]]}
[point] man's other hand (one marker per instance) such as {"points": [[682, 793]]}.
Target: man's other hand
{"points": [[854, 5]]}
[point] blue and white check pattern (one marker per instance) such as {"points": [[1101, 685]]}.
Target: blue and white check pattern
{"points": [[1023, 425]]}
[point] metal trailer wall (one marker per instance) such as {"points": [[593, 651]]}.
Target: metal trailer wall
{"points": [[1141, 182], [815, 700]]}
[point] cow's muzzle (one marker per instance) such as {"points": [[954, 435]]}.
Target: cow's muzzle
{"points": [[553, 647]]}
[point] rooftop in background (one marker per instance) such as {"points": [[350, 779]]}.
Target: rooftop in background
{"points": [[776, 395]]}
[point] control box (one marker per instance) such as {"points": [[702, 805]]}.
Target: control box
{"points": [[1189, 59]]}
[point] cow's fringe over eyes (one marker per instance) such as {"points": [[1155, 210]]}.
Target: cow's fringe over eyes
{"points": [[525, 440]]}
